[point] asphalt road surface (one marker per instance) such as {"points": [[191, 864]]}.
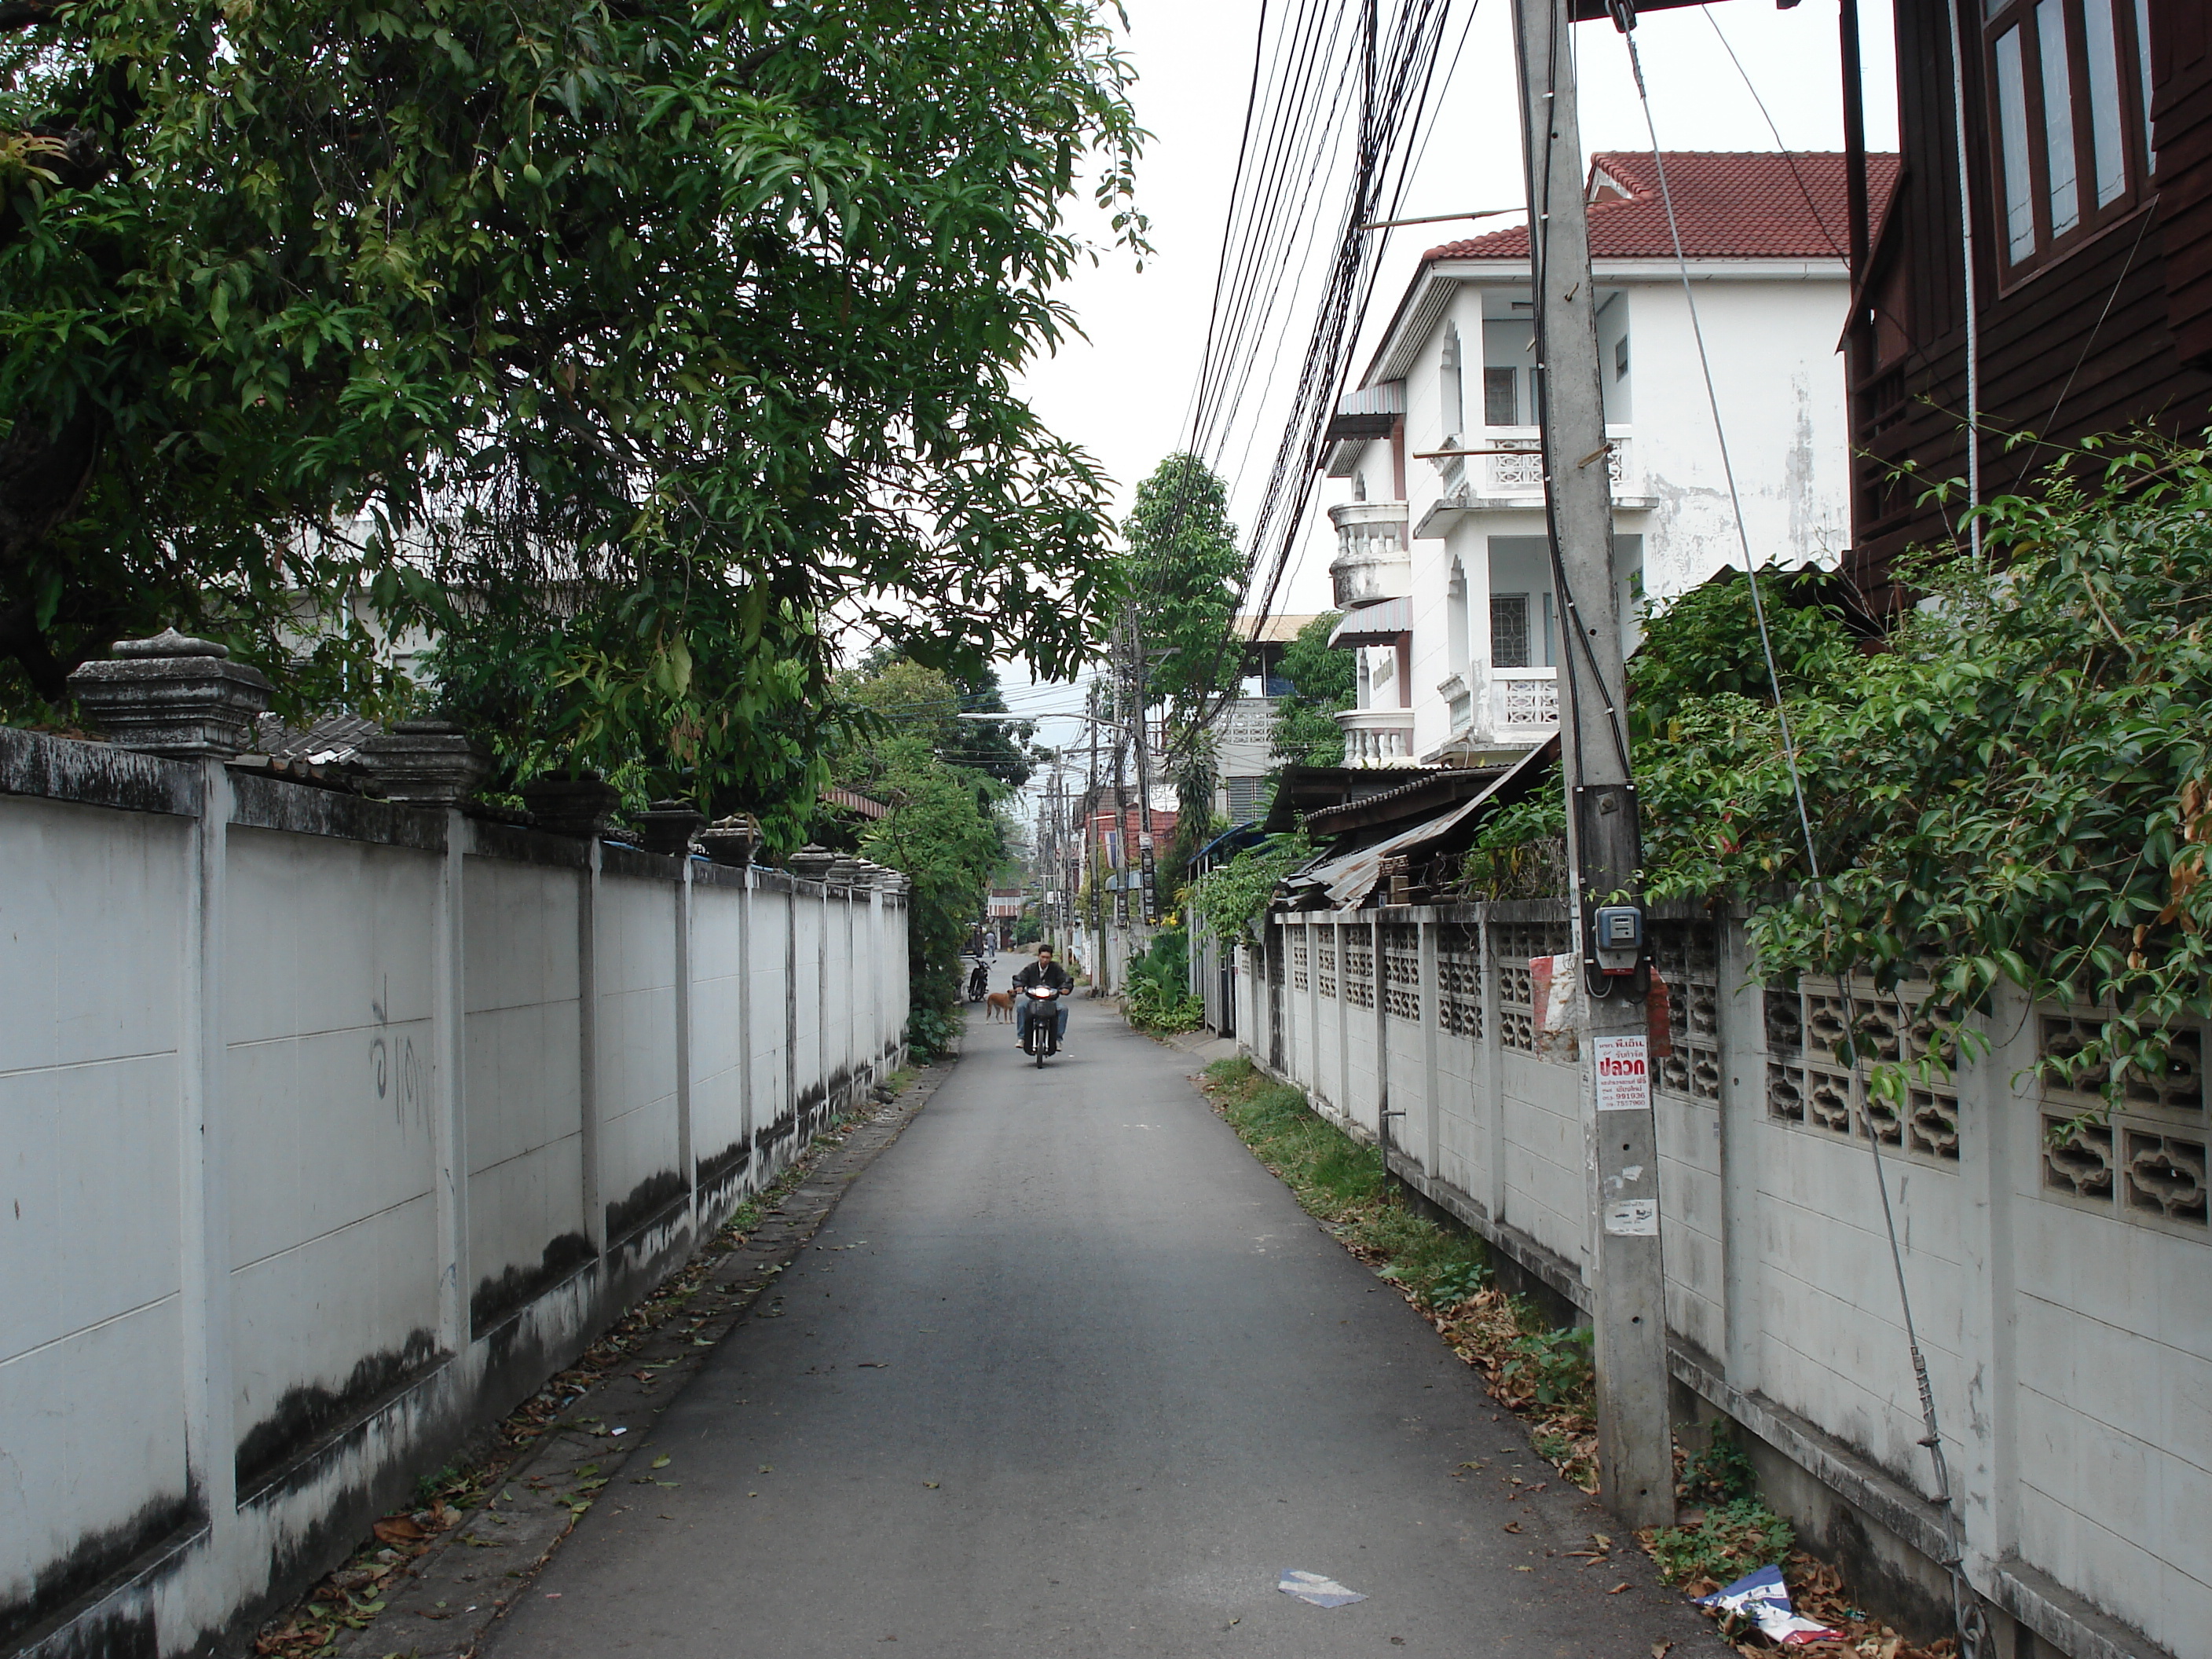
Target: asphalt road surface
{"points": [[1068, 1373]]}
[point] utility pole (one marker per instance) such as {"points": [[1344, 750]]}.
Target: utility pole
{"points": [[1144, 770], [1635, 1468], [1097, 943]]}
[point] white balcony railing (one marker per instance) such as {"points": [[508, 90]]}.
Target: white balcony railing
{"points": [[1378, 736], [1519, 470], [1523, 701], [1373, 559]]}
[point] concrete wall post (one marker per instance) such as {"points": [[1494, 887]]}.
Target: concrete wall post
{"points": [[588, 1047], [1740, 1011], [449, 1083], [211, 1432], [687, 1155]]}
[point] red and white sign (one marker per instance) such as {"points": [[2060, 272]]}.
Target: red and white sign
{"points": [[1624, 1073]]}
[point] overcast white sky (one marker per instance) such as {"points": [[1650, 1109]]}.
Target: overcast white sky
{"points": [[1123, 394]]}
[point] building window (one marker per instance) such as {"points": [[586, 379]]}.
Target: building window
{"points": [[1451, 388], [1501, 401], [1509, 631], [2070, 81]]}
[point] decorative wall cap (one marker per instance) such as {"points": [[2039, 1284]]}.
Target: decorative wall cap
{"points": [[173, 694], [426, 762], [811, 863], [668, 827], [733, 839], [572, 806]]}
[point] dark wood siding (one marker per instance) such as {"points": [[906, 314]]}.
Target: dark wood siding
{"points": [[2091, 343], [2181, 117]]}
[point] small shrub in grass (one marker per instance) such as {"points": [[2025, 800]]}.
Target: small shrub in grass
{"points": [[1721, 1473], [1732, 1539], [1553, 1367]]}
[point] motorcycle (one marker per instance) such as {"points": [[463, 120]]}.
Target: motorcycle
{"points": [[1040, 1035], [979, 981]]}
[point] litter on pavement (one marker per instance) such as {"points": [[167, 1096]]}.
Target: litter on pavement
{"points": [[1312, 1587], [1764, 1599]]}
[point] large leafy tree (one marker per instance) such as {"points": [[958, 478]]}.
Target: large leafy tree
{"points": [[1184, 571], [1322, 681], [626, 346]]}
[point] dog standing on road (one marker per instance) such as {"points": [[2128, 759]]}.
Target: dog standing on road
{"points": [[997, 1003]]}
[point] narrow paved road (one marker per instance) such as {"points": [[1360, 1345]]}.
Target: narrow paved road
{"points": [[1068, 1373]]}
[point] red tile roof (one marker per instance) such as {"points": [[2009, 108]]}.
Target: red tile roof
{"points": [[1731, 205]]}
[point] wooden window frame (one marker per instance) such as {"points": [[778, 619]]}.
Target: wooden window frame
{"points": [[2001, 17]]}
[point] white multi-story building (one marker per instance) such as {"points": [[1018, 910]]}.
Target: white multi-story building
{"points": [[1442, 565]]}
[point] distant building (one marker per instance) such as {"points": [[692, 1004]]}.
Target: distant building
{"points": [[1443, 568]]}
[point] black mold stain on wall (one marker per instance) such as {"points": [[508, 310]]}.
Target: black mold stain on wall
{"points": [[633, 1213], [100, 1556], [308, 1413], [713, 1171], [495, 1298]]}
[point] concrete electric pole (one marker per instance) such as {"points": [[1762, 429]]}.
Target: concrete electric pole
{"points": [[1635, 1468]]}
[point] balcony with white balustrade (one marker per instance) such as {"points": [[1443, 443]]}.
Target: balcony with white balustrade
{"points": [[1378, 736], [1374, 560]]}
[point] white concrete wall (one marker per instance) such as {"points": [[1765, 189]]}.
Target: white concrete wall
{"points": [[2069, 1333], [253, 1031]]}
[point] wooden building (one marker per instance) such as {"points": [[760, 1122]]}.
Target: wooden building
{"points": [[2088, 170]]}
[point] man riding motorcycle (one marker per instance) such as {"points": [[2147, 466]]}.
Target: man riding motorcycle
{"points": [[1044, 971]]}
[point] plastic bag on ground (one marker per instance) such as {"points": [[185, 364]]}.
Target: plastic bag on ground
{"points": [[1312, 1587], [1764, 1599]]}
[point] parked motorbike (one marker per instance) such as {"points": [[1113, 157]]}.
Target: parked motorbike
{"points": [[979, 981], [1041, 1037]]}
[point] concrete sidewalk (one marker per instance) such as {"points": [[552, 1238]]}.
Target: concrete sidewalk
{"points": [[1068, 1373]]}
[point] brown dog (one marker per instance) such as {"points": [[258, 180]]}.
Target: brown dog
{"points": [[997, 1003]]}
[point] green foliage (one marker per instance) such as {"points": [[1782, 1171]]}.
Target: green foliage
{"points": [[1029, 929], [1722, 1472], [1734, 1539], [1521, 851], [932, 1031], [1149, 1006], [1554, 1366], [1155, 996], [2020, 790], [1231, 894], [618, 346], [1704, 644], [1182, 572], [942, 830], [1322, 681]]}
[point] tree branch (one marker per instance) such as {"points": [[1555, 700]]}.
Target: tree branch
{"points": [[28, 14]]}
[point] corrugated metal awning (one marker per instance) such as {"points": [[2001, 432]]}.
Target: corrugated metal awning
{"points": [[1380, 623]]}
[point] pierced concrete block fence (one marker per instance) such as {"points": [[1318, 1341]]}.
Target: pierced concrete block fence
{"points": [[331, 1127], [2062, 1283]]}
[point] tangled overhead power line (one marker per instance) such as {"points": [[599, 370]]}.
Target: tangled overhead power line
{"points": [[1338, 109]]}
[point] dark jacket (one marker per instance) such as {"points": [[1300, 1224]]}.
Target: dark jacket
{"points": [[1043, 973]]}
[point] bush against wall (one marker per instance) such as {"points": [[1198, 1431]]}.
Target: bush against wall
{"points": [[903, 746], [2018, 789], [1231, 894]]}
